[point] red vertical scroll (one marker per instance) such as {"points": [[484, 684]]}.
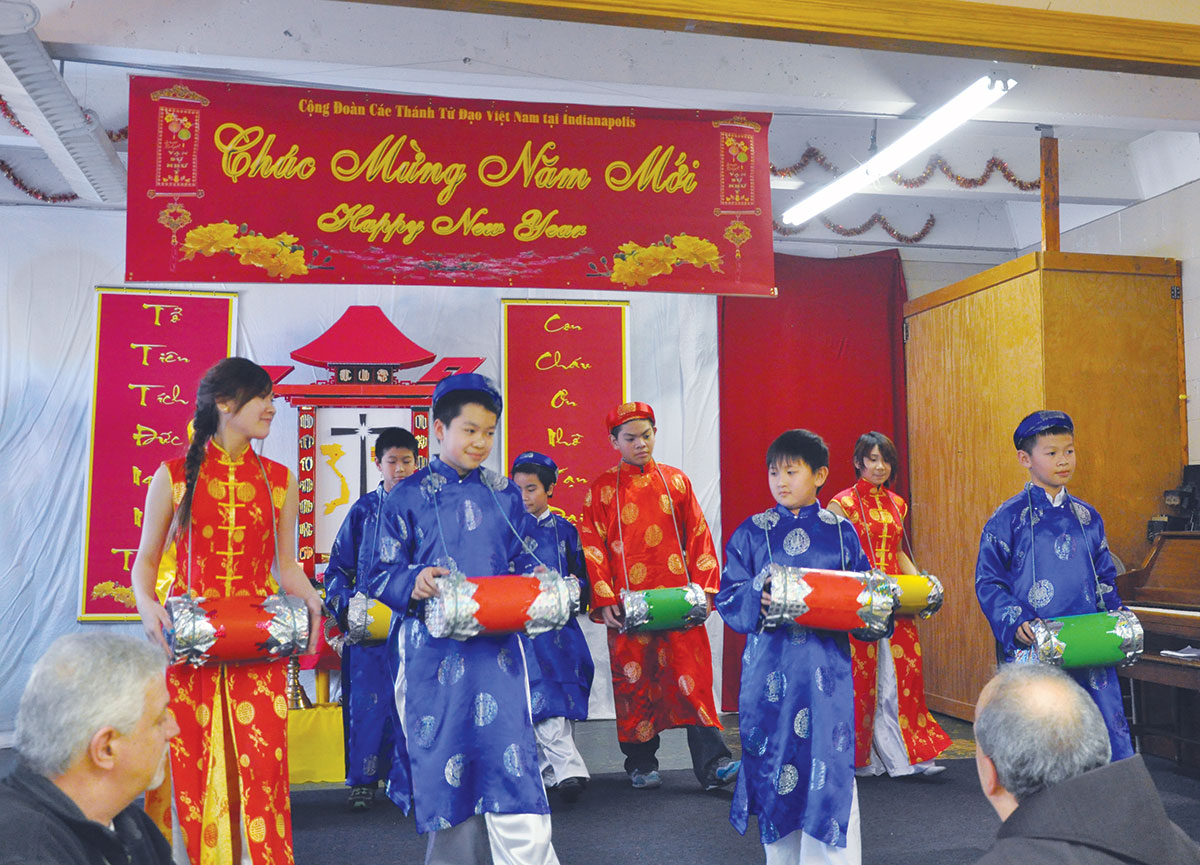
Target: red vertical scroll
{"points": [[565, 365], [306, 478], [152, 348]]}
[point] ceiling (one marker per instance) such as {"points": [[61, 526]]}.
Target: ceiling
{"points": [[1122, 137]]}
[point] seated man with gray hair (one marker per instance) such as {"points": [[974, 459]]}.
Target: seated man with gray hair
{"points": [[92, 734], [1043, 757]]}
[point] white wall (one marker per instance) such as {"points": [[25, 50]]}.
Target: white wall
{"points": [[1164, 226], [51, 260]]}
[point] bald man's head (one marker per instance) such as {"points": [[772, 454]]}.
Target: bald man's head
{"points": [[1039, 728]]}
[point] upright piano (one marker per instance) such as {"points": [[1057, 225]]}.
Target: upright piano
{"points": [[1164, 593]]}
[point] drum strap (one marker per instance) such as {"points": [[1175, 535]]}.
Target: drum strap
{"points": [[674, 524], [862, 512], [526, 545], [274, 517], [1068, 502]]}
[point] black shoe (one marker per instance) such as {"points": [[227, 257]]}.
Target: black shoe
{"points": [[362, 798], [571, 788]]}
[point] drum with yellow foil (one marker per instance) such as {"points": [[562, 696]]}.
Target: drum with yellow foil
{"points": [[367, 620], [920, 594]]}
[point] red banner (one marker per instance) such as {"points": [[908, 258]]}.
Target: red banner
{"points": [[151, 351], [565, 366], [246, 183]]}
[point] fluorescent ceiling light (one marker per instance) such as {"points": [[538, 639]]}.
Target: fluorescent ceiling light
{"points": [[917, 140], [789, 182], [76, 143]]}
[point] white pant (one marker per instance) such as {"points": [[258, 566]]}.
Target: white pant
{"points": [[888, 752], [511, 839], [800, 848], [558, 757]]}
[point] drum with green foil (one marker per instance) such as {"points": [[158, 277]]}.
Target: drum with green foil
{"points": [[673, 609], [1091, 640]]}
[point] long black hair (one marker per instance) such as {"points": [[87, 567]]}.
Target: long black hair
{"points": [[234, 378]]}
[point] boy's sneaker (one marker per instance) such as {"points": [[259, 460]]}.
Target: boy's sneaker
{"points": [[645, 780], [362, 798], [724, 774]]}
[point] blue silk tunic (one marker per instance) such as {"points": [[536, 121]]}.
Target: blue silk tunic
{"points": [[560, 663], [465, 706], [1041, 561], [796, 703], [373, 740]]}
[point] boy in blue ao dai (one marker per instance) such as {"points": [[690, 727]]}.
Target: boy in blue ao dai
{"points": [[373, 741], [1043, 554], [560, 663], [796, 704], [464, 705]]}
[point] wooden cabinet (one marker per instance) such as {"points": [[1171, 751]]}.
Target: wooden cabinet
{"points": [[1096, 336]]}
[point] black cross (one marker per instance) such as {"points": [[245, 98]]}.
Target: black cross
{"points": [[361, 431]]}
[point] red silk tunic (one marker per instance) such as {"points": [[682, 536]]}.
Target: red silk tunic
{"points": [[232, 717], [661, 679], [878, 516]]}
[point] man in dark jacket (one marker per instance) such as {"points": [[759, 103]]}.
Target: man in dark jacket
{"points": [[92, 733], [1043, 757]]}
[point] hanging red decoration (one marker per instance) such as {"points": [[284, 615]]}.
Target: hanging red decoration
{"points": [[876, 218], [7, 171], [8, 115], [810, 155], [937, 163], [813, 155]]}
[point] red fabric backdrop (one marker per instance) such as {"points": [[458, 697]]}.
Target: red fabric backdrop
{"points": [[826, 355]]}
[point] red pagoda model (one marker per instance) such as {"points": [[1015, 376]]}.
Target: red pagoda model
{"points": [[364, 353]]}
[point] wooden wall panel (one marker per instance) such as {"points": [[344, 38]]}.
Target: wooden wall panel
{"points": [[1112, 364], [973, 365]]}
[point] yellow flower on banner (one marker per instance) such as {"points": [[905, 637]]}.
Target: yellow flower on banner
{"points": [[656, 260], [634, 264], [252, 249], [697, 251], [289, 262], [280, 255], [627, 272], [209, 239]]}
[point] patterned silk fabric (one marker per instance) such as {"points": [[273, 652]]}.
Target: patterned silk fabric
{"points": [[560, 663], [796, 703], [661, 679], [232, 744], [878, 516], [374, 742], [463, 704], [1040, 561]]}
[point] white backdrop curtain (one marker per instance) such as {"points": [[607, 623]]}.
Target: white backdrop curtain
{"points": [[51, 261]]}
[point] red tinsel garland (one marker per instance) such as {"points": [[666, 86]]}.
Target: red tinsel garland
{"points": [[8, 172], [876, 218], [12, 118], [938, 163], [810, 154]]}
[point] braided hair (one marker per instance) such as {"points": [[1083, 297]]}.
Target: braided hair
{"points": [[234, 378]]}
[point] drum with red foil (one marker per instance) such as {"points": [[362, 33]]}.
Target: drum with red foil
{"points": [[238, 628], [861, 604], [466, 607]]}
